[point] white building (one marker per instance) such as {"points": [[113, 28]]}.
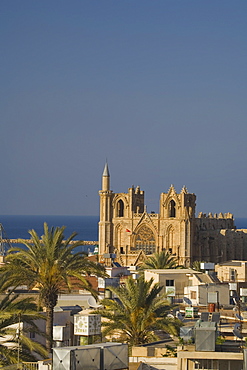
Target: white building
{"points": [[199, 287]]}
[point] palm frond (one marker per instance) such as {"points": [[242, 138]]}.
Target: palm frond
{"points": [[137, 312], [48, 263]]}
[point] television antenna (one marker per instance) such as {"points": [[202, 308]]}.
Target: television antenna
{"points": [[4, 241]]}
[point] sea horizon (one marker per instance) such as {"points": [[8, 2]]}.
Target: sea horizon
{"points": [[86, 227], [17, 226]]}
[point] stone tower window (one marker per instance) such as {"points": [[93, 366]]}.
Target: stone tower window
{"points": [[145, 241], [120, 208], [172, 209], [170, 240]]}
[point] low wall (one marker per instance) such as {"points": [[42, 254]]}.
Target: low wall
{"points": [[157, 352], [172, 361]]}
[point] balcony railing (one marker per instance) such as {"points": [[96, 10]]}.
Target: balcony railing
{"points": [[25, 366]]}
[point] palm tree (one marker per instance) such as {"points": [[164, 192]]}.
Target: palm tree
{"points": [[196, 265], [49, 264], [162, 260], [137, 312], [15, 345]]}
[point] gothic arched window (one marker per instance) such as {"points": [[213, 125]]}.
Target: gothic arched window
{"points": [[118, 239], [172, 209], [145, 240], [170, 240], [120, 208]]}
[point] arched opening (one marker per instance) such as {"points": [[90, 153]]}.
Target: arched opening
{"points": [[145, 240], [118, 240], [170, 241], [120, 208], [172, 209]]}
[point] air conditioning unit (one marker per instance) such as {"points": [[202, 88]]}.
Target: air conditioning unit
{"points": [[101, 356], [205, 336]]}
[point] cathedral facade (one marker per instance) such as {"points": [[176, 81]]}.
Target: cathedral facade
{"points": [[127, 230]]}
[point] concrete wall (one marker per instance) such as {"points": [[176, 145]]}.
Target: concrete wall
{"points": [[180, 277], [227, 360], [202, 294]]}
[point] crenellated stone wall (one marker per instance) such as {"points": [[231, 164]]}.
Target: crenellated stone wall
{"points": [[129, 231]]}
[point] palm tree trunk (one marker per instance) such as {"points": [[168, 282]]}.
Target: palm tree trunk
{"points": [[49, 328]]}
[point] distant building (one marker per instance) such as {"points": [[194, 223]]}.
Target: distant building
{"points": [[203, 289], [129, 232], [173, 281], [235, 274], [232, 271], [189, 359], [196, 286]]}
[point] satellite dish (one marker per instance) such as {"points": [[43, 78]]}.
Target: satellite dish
{"points": [[170, 316], [179, 316], [92, 302], [187, 300], [237, 333], [237, 326], [238, 316], [236, 300]]}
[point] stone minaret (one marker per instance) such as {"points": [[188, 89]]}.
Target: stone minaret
{"points": [[105, 222], [106, 179]]}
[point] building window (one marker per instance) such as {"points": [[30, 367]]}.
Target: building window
{"points": [[120, 208], [193, 294], [232, 274], [170, 242], [169, 282], [172, 209], [145, 241]]}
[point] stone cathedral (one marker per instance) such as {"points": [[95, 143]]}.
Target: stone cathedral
{"points": [[127, 230]]}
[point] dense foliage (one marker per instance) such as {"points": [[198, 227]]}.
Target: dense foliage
{"points": [[17, 320], [48, 264], [161, 260], [138, 312]]}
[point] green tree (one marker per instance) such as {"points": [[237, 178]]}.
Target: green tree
{"points": [[138, 312], [49, 264], [196, 265], [15, 345], [162, 260]]}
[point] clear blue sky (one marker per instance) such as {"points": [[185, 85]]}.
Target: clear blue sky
{"points": [[156, 87]]}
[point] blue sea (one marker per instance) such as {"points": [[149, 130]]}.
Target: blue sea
{"points": [[86, 227], [241, 223]]}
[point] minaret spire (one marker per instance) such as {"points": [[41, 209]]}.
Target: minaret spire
{"points": [[105, 223], [106, 170], [106, 178]]}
